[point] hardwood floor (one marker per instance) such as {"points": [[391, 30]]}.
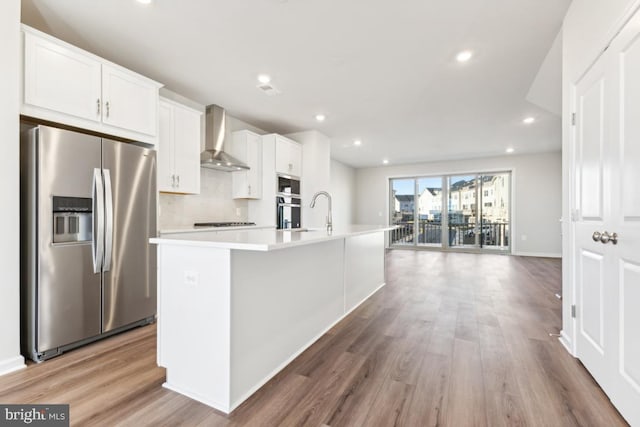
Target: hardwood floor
{"points": [[452, 340]]}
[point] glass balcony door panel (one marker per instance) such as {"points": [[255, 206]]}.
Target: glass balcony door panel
{"points": [[495, 208], [462, 212], [402, 211], [430, 211]]}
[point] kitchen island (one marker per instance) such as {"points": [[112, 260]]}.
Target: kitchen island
{"points": [[235, 307]]}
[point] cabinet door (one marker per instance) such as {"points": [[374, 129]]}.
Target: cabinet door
{"points": [[130, 101], [247, 147], [254, 160], [295, 158], [61, 79], [288, 157], [187, 149], [283, 165], [165, 148]]}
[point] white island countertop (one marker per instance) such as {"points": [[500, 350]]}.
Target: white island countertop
{"points": [[265, 239]]}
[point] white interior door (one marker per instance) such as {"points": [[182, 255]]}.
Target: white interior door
{"points": [[625, 218], [607, 201], [594, 328]]}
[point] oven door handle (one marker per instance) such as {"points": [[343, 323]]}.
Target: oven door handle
{"points": [[293, 195], [289, 205]]}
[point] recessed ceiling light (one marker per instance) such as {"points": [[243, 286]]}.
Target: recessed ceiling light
{"points": [[529, 120], [320, 117], [144, 1], [385, 162], [509, 150], [264, 78], [357, 142], [464, 56]]}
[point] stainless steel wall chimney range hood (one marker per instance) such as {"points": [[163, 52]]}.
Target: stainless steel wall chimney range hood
{"points": [[213, 156]]}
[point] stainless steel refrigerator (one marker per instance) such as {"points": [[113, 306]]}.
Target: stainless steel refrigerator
{"points": [[88, 209]]}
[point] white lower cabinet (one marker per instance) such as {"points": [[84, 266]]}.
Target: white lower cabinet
{"points": [[246, 146], [179, 148]]}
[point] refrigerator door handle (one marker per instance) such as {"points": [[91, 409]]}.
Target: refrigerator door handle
{"points": [[108, 197], [97, 242]]}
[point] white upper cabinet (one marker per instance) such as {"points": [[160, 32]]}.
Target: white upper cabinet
{"points": [[179, 148], [165, 148], [246, 146], [130, 101], [288, 157], [61, 79], [67, 85]]}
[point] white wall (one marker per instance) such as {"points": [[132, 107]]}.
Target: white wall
{"points": [[10, 358], [342, 187], [588, 28], [214, 203], [536, 195], [316, 157]]}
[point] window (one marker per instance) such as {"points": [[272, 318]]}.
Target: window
{"points": [[468, 211]]}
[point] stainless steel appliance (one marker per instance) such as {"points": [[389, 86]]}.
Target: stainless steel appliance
{"points": [[288, 203], [214, 156], [88, 208]]}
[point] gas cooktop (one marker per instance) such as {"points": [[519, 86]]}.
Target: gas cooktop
{"points": [[223, 224]]}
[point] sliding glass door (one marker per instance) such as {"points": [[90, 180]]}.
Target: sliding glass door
{"points": [[429, 231], [403, 211], [494, 209], [453, 211], [462, 210]]}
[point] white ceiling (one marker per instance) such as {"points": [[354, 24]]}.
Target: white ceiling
{"points": [[382, 71]]}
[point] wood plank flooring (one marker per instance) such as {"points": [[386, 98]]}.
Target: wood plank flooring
{"points": [[452, 340]]}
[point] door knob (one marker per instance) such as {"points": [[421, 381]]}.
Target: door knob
{"points": [[606, 238], [596, 236]]}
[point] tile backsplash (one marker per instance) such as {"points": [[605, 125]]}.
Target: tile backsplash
{"points": [[214, 203]]}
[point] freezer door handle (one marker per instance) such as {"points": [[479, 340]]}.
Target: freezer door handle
{"points": [[97, 242], [108, 221]]}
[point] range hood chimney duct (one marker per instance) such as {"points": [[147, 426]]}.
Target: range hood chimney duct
{"points": [[214, 156]]}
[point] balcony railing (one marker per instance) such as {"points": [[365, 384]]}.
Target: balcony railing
{"points": [[494, 234]]}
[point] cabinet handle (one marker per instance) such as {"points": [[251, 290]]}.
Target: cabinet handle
{"points": [[173, 181], [107, 108], [290, 167], [178, 180], [98, 106], [249, 189]]}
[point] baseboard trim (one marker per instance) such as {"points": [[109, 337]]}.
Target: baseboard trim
{"points": [[11, 365], [538, 254], [566, 342]]}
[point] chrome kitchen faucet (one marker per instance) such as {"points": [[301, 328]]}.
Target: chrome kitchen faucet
{"points": [[313, 203]]}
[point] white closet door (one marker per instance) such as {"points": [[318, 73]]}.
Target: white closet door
{"points": [[607, 201], [595, 336], [624, 282]]}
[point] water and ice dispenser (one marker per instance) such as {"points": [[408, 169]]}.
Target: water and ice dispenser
{"points": [[72, 219]]}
